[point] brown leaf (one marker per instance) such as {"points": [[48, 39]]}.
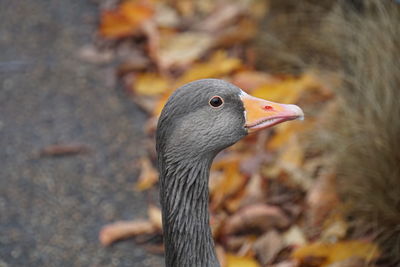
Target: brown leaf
{"points": [[218, 65], [154, 213], [64, 150], [124, 229], [292, 155], [288, 90], [236, 242], [268, 246], [254, 192], [294, 237], [240, 261], [166, 16], [284, 132], [148, 175], [322, 198], [90, 53], [150, 84], [155, 249], [149, 29], [335, 228], [224, 16], [350, 262], [248, 80], [337, 251], [230, 182], [183, 48], [243, 31], [286, 263], [259, 217], [221, 255], [125, 20]]}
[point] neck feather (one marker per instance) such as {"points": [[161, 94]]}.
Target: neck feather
{"points": [[184, 200]]}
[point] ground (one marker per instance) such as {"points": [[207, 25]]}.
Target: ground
{"points": [[52, 208]]}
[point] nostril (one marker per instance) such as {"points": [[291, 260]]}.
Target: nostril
{"points": [[268, 108]]}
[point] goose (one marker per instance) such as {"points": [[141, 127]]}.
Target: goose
{"points": [[199, 120]]}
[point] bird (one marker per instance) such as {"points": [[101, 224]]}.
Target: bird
{"points": [[199, 120]]}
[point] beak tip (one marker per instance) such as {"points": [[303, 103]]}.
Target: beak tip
{"points": [[297, 111]]}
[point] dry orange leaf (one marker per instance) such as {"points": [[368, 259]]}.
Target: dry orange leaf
{"points": [[125, 20], [182, 49], [124, 229], [268, 246], [154, 213], [322, 198], [287, 91], [248, 80], [261, 217], [338, 251], [148, 175], [150, 84], [230, 182], [219, 64], [239, 261], [286, 131], [160, 103], [243, 31], [292, 155]]}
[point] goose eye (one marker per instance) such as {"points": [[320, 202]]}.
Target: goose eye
{"points": [[216, 101]]}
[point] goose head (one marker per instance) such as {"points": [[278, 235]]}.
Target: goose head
{"points": [[205, 116]]}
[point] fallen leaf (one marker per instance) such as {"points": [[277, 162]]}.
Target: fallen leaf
{"points": [[132, 60], [259, 217], [160, 104], [221, 255], [148, 175], [183, 48], [64, 150], [235, 242], [334, 252], [284, 132], [124, 229], [268, 246], [241, 32], [155, 249], [292, 155], [222, 17], [238, 261], [125, 20], [249, 80], [350, 262], [150, 84], [217, 222], [254, 192], [150, 30], [294, 237], [322, 198], [288, 90], [230, 182], [186, 7], [166, 16], [335, 228], [286, 263], [219, 64], [90, 53], [155, 217]]}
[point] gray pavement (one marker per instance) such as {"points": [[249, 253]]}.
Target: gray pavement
{"points": [[51, 209]]}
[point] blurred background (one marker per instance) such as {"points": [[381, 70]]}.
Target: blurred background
{"points": [[83, 83]]}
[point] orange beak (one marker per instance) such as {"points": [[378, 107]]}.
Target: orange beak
{"points": [[261, 114]]}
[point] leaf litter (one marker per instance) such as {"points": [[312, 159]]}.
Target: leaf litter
{"points": [[273, 199]]}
